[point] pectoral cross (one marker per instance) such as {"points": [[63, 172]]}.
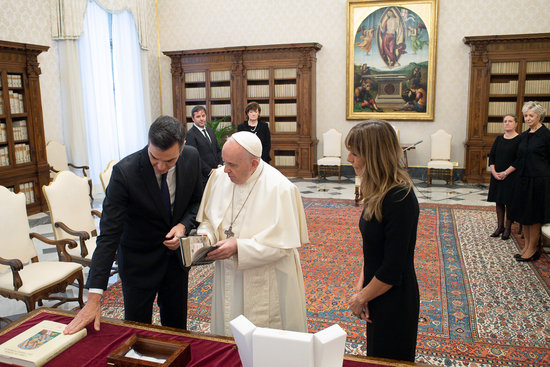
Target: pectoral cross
{"points": [[228, 232]]}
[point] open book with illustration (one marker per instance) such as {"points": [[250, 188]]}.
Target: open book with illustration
{"points": [[193, 250], [38, 344]]}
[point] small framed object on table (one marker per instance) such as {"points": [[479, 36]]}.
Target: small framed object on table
{"points": [[140, 350]]}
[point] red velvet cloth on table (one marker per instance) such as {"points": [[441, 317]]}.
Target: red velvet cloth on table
{"points": [[96, 346]]}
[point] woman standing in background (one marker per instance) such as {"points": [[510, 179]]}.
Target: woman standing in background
{"points": [[501, 187], [260, 128], [531, 205]]}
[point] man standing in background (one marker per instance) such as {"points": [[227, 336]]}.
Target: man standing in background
{"points": [[204, 140]]}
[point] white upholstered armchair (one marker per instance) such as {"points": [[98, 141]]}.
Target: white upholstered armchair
{"points": [[332, 154], [58, 161], [105, 176], [440, 157], [22, 276], [71, 214]]}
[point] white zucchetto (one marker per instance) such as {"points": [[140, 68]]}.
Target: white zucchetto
{"points": [[249, 141]]}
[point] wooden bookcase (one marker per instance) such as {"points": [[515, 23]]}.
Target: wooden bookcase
{"points": [[23, 165], [281, 78], [505, 72]]}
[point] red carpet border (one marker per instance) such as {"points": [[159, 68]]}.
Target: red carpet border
{"points": [[478, 305]]}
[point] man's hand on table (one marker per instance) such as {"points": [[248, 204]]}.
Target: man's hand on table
{"points": [[90, 312]]}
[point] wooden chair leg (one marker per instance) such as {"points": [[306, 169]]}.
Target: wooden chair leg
{"points": [[429, 179], [338, 174], [91, 189]]}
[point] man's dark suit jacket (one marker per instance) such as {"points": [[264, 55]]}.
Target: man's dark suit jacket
{"points": [[135, 221], [210, 152]]}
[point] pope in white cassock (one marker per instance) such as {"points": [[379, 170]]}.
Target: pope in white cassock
{"points": [[256, 216]]}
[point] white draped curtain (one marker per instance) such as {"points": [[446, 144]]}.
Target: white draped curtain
{"points": [[111, 123]]}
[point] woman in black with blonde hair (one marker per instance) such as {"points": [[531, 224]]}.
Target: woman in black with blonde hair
{"points": [[531, 204], [387, 290]]}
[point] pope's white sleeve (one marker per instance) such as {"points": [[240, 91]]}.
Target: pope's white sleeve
{"points": [[251, 254]]}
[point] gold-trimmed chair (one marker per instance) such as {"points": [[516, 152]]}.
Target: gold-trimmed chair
{"points": [[105, 176], [71, 214], [56, 154], [332, 154], [440, 157], [22, 276]]}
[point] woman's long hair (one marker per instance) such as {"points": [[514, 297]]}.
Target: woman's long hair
{"points": [[375, 142]]}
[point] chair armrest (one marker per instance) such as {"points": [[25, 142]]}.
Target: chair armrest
{"points": [[97, 213], [53, 169], [82, 235], [60, 244], [15, 265], [83, 168]]}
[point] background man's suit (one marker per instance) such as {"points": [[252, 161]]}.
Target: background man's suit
{"points": [[209, 150], [135, 221]]}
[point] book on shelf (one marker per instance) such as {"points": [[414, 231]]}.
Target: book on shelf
{"points": [[3, 133], [4, 156], [22, 153], [221, 110], [285, 73], [285, 90], [19, 130], [286, 126], [258, 91], [193, 250], [195, 93], [220, 92], [14, 81], [16, 102], [257, 74], [195, 77], [505, 68], [220, 76], [27, 189], [538, 67], [38, 344], [285, 109]]}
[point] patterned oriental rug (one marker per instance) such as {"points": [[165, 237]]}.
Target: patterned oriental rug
{"points": [[479, 307]]}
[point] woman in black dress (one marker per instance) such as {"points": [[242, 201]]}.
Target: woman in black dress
{"points": [[531, 205], [501, 188], [387, 290], [260, 128]]}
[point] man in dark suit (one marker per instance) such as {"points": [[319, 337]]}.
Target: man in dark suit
{"points": [[152, 199], [204, 139]]}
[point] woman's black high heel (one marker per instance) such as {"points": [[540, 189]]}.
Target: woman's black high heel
{"points": [[497, 232], [535, 257], [506, 234]]}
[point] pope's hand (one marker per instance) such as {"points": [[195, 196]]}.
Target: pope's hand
{"points": [[227, 248], [90, 312]]}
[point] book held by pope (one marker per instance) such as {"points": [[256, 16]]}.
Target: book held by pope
{"points": [[193, 250]]}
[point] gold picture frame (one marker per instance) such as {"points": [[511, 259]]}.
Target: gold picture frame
{"points": [[391, 59]]}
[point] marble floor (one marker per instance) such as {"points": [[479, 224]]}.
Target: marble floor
{"points": [[438, 192]]}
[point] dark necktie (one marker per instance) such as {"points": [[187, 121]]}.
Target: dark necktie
{"points": [[165, 193], [206, 135]]}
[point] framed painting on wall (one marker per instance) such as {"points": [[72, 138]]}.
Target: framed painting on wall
{"points": [[391, 59]]}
